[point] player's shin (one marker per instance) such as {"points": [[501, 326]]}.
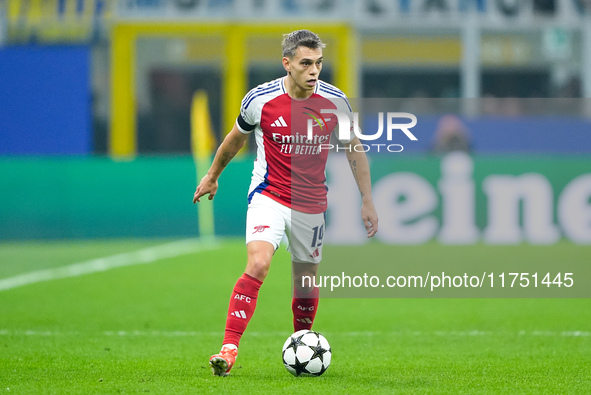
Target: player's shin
{"points": [[241, 308], [304, 307]]}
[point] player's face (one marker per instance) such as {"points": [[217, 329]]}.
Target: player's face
{"points": [[304, 69]]}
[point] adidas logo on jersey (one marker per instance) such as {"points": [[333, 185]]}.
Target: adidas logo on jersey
{"points": [[239, 314], [279, 123]]}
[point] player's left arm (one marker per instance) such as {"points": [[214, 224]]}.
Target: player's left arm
{"points": [[360, 168]]}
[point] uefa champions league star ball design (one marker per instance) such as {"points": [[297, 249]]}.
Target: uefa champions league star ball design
{"points": [[306, 353]]}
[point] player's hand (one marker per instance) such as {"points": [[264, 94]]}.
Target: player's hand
{"points": [[370, 218], [206, 186]]}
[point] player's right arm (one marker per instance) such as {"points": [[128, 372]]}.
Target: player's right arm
{"points": [[233, 142]]}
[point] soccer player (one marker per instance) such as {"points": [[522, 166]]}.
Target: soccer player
{"points": [[287, 194]]}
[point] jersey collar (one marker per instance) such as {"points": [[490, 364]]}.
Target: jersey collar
{"points": [[285, 90]]}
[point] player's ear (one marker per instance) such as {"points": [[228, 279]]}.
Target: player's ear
{"points": [[286, 64]]}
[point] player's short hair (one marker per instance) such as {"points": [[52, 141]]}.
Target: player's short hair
{"points": [[298, 38]]}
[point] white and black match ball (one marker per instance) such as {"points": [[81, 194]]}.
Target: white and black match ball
{"points": [[306, 353]]}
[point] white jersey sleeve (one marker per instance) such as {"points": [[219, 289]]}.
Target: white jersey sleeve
{"points": [[344, 107], [246, 120], [250, 108], [340, 100]]}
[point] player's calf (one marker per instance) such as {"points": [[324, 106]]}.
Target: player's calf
{"points": [[304, 307]]}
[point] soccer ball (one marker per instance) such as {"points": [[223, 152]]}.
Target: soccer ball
{"points": [[306, 353]]}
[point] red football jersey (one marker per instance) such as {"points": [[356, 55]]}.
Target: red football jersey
{"points": [[290, 167]]}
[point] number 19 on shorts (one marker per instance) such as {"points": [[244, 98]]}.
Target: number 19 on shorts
{"points": [[317, 236]]}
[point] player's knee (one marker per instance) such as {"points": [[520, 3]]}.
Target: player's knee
{"points": [[258, 267], [304, 276], [304, 282], [259, 259]]}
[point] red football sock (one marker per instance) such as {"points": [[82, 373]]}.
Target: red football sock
{"points": [[304, 308], [241, 309]]}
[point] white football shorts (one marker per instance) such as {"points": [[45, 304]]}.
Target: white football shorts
{"points": [[269, 220]]}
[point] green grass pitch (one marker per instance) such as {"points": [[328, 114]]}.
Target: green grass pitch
{"points": [[152, 327]]}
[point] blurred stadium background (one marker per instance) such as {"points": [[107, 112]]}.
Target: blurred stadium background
{"points": [[97, 97], [110, 110]]}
